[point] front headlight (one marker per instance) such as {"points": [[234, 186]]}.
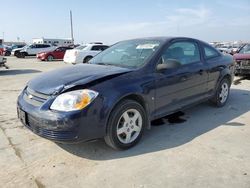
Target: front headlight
{"points": [[74, 100]]}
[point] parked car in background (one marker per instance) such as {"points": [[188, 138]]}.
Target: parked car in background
{"points": [[82, 54], [225, 48], [8, 49], [122, 89], [16, 51], [242, 59], [33, 49], [56, 54], [1, 49], [235, 48]]}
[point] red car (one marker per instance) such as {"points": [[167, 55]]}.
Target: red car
{"points": [[58, 53], [1, 49], [242, 59]]}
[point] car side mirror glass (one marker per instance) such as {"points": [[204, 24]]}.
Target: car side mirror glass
{"points": [[168, 64]]}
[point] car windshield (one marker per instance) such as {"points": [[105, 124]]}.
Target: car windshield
{"points": [[80, 47], [245, 49], [130, 54]]}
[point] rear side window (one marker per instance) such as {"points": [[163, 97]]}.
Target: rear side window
{"points": [[96, 48], [104, 47], [210, 52]]}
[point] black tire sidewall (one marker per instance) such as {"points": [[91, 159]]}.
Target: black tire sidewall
{"points": [[114, 118], [22, 54]]}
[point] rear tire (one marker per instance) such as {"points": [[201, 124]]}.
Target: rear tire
{"points": [[126, 125], [222, 93]]}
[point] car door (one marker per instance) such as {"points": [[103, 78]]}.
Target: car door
{"points": [[181, 86], [32, 49], [38, 48], [42, 48], [59, 53], [213, 60]]}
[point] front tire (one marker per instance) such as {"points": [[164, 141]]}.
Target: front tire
{"points": [[126, 125], [7, 53], [222, 93], [22, 54], [50, 58]]}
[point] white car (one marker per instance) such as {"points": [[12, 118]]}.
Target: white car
{"points": [[82, 54], [33, 49]]}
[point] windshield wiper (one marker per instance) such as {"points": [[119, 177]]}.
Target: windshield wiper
{"points": [[109, 64]]}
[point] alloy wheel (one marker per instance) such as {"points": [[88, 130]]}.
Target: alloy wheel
{"points": [[224, 92], [129, 126]]}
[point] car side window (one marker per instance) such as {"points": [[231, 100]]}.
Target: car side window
{"points": [[185, 52], [210, 52], [104, 48], [96, 48], [39, 46]]}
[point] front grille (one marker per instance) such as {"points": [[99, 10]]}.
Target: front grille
{"points": [[245, 62], [34, 98], [36, 126]]}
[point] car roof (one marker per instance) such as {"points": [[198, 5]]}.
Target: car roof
{"points": [[95, 44], [164, 38]]}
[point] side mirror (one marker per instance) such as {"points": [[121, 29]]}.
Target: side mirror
{"points": [[168, 64]]}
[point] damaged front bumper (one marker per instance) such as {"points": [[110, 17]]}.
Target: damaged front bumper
{"points": [[65, 127]]}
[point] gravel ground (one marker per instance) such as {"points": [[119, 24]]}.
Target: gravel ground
{"points": [[210, 149]]}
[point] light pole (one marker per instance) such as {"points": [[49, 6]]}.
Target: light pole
{"points": [[71, 27]]}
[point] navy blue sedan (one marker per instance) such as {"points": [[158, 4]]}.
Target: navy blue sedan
{"points": [[121, 90]]}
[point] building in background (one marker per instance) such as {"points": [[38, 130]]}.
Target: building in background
{"points": [[57, 42], [12, 43]]}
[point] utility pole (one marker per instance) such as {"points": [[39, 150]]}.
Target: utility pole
{"points": [[71, 26]]}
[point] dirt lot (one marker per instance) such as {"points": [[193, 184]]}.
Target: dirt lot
{"points": [[210, 149]]}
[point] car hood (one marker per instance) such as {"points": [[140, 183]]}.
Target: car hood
{"points": [[17, 49], [241, 56], [56, 81]]}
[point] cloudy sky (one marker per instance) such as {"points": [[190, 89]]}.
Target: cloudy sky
{"points": [[112, 20]]}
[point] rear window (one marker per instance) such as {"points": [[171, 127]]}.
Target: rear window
{"points": [[96, 48]]}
